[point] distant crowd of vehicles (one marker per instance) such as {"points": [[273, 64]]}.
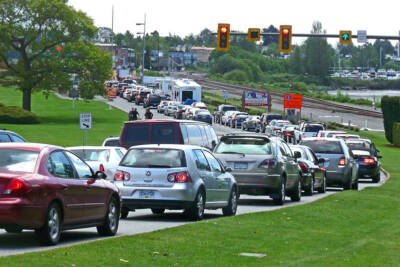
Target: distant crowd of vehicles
{"points": [[368, 75]]}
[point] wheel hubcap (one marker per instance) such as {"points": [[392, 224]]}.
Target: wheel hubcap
{"points": [[112, 215], [234, 201], [200, 206], [54, 224], [283, 191]]}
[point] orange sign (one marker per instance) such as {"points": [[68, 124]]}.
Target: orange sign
{"points": [[292, 101]]}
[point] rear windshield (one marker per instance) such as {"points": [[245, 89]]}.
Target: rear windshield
{"points": [[273, 117], [252, 146], [137, 134], [18, 160], [323, 146], [161, 133], [314, 128], [92, 154], [359, 146], [154, 97], [112, 143], [154, 158], [228, 108]]}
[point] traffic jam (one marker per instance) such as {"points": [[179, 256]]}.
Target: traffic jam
{"points": [[175, 163]]}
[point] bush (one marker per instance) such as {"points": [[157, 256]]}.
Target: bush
{"points": [[391, 114], [396, 134], [17, 115]]}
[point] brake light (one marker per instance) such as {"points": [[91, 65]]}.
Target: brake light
{"points": [[122, 176], [268, 163], [179, 177], [342, 162], [303, 166], [235, 119], [101, 168], [369, 161], [276, 129], [250, 123], [16, 186], [288, 134]]}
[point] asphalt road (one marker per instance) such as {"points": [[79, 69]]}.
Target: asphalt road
{"points": [[142, 221]]}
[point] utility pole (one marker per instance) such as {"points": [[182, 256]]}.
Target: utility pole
{"points": [[144, 41]]}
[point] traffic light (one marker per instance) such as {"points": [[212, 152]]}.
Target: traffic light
{"points": [[253, 34], [345, 37], [223, 37], [285, 38]]}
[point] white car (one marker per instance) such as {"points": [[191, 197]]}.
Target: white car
{"points": [[226, 117], [275, 126], [111, 141], [107, 156], [329, 133], [127, 92]]}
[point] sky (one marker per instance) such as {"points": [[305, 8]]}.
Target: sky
{"points": [[182, 17]]}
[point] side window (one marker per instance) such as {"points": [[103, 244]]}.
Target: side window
{"points": [[184, 133], [312, 156], [214, 136], [282, 149], [288, 150], [215, 166], [82, 169], [4, 138], [201, 161], [59, 165], [204, 136], [16, 138], [194, 135]]}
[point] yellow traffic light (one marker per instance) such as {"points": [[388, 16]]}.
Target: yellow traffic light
{"points": [[285, 38], [223, 37], [253, 34], [345, 37]]}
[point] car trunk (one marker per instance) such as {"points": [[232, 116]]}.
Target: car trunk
{"points": [[151, 177], [6, 177], [333, 162]]}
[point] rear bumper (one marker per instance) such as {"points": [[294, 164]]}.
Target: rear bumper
{"points": [[17, 212], [155, 204], [305, 180], [257, 184], [337, 177], [367, 172]]}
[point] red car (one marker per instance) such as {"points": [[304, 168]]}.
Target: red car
{"points": [[49, 189]]}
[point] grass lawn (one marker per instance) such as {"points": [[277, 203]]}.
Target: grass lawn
{"points": [[60, 123], [345, 229]]}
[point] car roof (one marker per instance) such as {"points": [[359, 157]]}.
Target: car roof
{"points": [[166, 120], [245, 135], [30, 146], [92, 147], [331, 139], [168, 146]]}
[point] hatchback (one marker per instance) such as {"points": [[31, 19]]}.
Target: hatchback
{"points": [[175, 177]]}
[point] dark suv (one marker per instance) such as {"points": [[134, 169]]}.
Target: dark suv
{"points": [[140, 97], [221, 111], [152, 101], [265, 120], [8, 136], [167, 132]]}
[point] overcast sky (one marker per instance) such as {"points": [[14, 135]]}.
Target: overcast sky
{"points": [[184, 17]]}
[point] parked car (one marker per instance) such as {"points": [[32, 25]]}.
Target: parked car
{"points": [[104, 159], [342, 169], [250, 123], [225, 119], [168, 132], [236, 120], [171, 109], [204, 116], [127, 92], [175, 177], [162, 106], [329, 133], [187, 112], [49, 189], [179, 112], [152, 101], [312, 173], [261, 165], [140, 97], [199, 105], [274, 127], [9, 136], [265, 120], [221, 111], [347, 136], [111, 141], [290, 133], [311, 129]]}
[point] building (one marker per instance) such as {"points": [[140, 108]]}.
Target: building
{"points": [[123, 57], [202, 54]]}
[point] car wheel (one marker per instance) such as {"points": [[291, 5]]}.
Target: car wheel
{"points": [[157, 211], [196, 212], [376, 178], [50, 233], [124, 213], [232, 205], [354, 186], [322, 189], [310, 189], [111, 220], [296, 195], [348, 184], [13, 229], [279, 198]]}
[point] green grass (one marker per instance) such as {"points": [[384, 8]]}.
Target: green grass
{"points": [[60, 123]]}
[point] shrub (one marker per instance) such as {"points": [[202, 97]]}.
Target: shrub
{"points": [[391, 114], [17, 115], [396, 134]]}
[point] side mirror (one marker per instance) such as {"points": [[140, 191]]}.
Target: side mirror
{"points": [[100, 175], [228, 169], [297, 155]]}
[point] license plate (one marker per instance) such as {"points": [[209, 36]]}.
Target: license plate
{"points": [[146, 194], [240, 165], [204, 118]]}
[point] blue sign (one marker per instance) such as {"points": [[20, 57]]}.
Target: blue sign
{"points": [[288, 97]]}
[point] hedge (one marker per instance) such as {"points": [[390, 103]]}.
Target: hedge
{"points": [[17, 115], [396, 134], [391, 114]]}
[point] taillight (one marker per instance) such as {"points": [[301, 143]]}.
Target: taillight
{"points": [[369, 161], [122, 176], [342, 162], [276, 129], [179, 177], [303, 166], [235, 119], [16, 186], [268, 163], [288, 134], [250, 123], [101, 169]]}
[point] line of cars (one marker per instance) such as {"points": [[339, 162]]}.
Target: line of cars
{"points": [[197, 111]]}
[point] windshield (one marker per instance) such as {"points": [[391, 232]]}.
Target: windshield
{"points": [[92, 154], [323, 146], [154, 158], [228, 108], [314, 128], [18, 160], [252, 146]]}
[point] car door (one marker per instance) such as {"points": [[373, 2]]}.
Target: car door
{"points": [[315, 168], [220, 177], [71, 189], [204, 169], [95, 191], [290, 164]]}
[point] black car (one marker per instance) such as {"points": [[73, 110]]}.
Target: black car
{"points": [[8, 136], [152, 101], [221, 111]]}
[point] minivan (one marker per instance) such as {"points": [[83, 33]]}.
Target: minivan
{"points": [[167, 132]]}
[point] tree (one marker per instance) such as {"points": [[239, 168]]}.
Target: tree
{"points": [[267, 40], [297, 61], [51, 41]]}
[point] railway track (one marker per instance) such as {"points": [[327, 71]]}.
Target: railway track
{"points": [[308, 102]]}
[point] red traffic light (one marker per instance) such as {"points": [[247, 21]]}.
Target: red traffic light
{"points": [[224, 29], [285, 31]]}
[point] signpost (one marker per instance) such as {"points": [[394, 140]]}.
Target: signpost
{"points": [[225, 95], [362, 36], [255, 99], [292, 101], [85, 123]]}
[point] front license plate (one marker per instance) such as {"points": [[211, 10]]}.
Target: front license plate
{"points": [[146, 194], [240, 165]]}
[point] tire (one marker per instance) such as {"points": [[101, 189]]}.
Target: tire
{"points": [[13, 229], [279, 198], [50, 233], [296, 194], [158, 211], [322, 189], [232, 205], [196, 212], [111, 220], [310, 189], [124, 213], [377, 178], [354, 186], [348, 184]]}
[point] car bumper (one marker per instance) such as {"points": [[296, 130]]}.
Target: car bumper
{"points": [[338, 176], [305, 180], [18, 212], [257, 183], [367, 171]]}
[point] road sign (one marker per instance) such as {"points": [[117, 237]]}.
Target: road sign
{"points": [[225, 95], [292, 101], [85, 121], [255, 99], [253, 34], [345, 37], [362, 36]]}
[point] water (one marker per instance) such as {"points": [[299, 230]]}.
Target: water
{"points": [[367, 94]]}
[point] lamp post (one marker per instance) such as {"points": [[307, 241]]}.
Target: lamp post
{"points": [[144, 41]]}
